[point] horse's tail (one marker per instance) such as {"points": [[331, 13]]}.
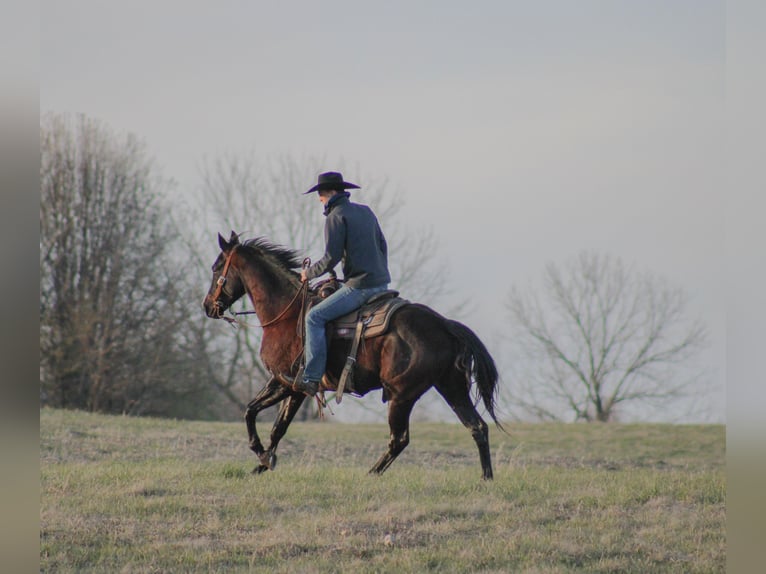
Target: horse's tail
{"points": [[477, 364]]}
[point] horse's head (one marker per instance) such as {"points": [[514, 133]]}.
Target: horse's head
{"points": [[227, 285]]}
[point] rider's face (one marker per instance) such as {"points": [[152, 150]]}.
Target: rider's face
{"points": [[325, 195]]}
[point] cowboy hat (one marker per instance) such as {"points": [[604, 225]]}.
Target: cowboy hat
{"points": [[331, 180]]}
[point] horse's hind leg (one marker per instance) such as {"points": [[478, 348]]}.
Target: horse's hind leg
{"points": [[399, 423], [460, 402]]}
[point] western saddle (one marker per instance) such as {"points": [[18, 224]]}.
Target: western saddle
{"points": [[370, 320]]}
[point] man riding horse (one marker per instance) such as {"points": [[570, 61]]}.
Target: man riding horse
{"points": [[352, 236], [411, 350]]}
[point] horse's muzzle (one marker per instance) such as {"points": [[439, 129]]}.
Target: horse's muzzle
{"points": [[213, 309]]}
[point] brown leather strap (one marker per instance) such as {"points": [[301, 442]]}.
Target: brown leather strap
{"points": [[222, 277], [351, 359]]}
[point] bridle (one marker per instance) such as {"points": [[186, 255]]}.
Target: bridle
{"points": [[221, 282]]}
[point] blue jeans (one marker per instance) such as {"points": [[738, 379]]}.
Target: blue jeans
{"points": [[343, 301]]}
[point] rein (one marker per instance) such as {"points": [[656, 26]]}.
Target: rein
{"points": [[303, 292]]}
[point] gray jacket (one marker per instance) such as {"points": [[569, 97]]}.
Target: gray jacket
{"points": [[353, 236]]}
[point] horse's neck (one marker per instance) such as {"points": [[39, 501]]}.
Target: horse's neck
{"points": [[268, 304]]}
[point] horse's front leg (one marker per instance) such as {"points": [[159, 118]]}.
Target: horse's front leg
{"points": [[287, 412], [269, 395]]}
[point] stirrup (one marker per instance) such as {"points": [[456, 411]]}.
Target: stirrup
{"points": [[308, 387], [299, 375]]}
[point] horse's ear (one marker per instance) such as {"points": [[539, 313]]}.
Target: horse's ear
{"points": [[234, 239], [223, 243]]}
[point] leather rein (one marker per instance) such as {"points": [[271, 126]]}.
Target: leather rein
{"points": [[302, 291]]}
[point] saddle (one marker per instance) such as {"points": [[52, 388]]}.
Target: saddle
{"points": [[370, 320], [374, 316]]}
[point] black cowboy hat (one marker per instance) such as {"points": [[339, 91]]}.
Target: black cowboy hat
{"points": [[331, 180]]}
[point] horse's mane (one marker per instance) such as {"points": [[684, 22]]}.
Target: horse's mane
{"points": [[283, 257]]}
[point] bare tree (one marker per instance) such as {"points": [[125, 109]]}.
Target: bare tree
{"points": [[110, 317], [263, 198], [598, 336]]}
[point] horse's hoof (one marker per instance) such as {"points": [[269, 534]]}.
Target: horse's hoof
{"points": [[259, 469], [268, 459]]}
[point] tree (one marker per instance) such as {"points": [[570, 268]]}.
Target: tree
{"points": [[598, 336], [110, 314], [263, 198]]}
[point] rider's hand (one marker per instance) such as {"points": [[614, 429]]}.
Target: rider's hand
{"points": [[303, 276]]}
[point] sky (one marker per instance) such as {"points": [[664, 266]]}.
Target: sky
{"points": [[521, 132]]}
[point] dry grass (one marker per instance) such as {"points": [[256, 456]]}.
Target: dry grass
{"points": [[147, 495]]}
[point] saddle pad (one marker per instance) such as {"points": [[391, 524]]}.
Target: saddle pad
{"points": [[376, 315]]}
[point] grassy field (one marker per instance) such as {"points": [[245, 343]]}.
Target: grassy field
{"points": [[123, 494]]}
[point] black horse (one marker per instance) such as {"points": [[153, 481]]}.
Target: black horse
{"points": [[420, 350]]}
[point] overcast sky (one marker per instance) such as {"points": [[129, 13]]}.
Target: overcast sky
{"points": [[524, 131]]}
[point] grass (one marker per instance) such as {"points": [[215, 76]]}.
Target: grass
{"points": [[149, 495]]}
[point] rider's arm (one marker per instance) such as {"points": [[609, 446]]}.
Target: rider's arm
{"points": [[335, 239]]}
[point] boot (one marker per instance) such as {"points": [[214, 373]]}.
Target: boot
{"points": [[306, 386]]}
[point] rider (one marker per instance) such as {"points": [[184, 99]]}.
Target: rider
{"points": [[352, 236]]}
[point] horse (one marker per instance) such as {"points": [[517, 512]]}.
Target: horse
{"points": [[421, 349]]}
